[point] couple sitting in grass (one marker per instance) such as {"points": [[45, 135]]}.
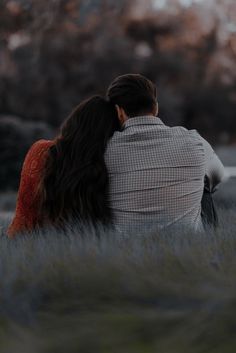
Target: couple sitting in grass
{"points": [[117, 164]]}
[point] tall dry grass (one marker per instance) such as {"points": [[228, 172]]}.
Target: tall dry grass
{"points": [[88, 291]]}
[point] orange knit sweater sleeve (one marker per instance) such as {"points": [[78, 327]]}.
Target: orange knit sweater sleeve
{"points": [[26, 214]]}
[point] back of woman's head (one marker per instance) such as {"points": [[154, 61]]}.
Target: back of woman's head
{"points": [[75, 184], [136, 94]]}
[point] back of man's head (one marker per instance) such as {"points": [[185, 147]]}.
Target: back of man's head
{"points": [[134, 93]]}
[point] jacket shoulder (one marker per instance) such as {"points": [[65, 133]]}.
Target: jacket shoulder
{"points": [[36, 156], [39, 147]]}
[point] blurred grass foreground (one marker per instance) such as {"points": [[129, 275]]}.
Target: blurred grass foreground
{"points": [[94, 292]]}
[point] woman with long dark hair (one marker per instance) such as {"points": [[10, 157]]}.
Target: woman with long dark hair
{"points": [[66, 179]]}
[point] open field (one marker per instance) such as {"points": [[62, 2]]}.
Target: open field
{"points": [[88, 292]]}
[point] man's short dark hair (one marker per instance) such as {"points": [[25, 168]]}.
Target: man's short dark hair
{"points": [[134, 93]]}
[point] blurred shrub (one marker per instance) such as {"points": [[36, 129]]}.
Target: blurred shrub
{"points": [[16, 136]]}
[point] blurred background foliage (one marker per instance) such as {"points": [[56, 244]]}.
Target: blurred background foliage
{"points": [[54, 53]]}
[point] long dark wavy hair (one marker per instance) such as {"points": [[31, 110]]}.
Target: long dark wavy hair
{"points": [[75, 183]]}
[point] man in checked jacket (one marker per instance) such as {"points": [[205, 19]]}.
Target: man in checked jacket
{"points": [[157, 173]]}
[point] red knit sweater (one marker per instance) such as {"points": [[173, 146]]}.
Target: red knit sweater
{"points": [[26, 215]]}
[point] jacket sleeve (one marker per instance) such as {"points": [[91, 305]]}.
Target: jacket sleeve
{"points": [[26, 214]]}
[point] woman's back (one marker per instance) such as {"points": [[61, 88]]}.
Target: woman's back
{"points": [[66, 179]]}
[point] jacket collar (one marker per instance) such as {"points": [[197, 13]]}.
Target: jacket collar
{"points": [[143, 120]]}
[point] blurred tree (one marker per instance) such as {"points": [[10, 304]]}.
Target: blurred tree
{"points": [[55, 53]]}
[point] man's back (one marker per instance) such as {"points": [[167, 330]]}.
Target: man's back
{"points": [[156, 174]]}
